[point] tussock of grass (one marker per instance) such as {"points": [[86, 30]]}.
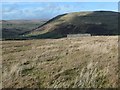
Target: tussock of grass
{"points": [[85, 62]]}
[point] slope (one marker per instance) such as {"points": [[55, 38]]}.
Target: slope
{"points": [[95, 23]]}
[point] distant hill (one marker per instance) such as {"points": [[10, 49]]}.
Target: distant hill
{"points": [[95, 23], [12, 29]]}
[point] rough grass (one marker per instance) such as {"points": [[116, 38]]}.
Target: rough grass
{"points": [[85, 62]]}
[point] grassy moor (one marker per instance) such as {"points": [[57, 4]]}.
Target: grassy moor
{"points": [[84, 62], [71, 50]]}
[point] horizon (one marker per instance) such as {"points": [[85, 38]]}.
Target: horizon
{"points": [[48, 10], [52, 17]]}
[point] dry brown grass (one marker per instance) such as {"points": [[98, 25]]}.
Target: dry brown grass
{"points": [[55, 63]]}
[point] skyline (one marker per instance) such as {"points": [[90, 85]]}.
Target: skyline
{"points": [[48, 10]]}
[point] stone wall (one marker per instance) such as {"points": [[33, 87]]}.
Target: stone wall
{"points": [[78, 35]]}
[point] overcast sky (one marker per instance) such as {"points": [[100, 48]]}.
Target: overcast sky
{"points": [[47, 10]]}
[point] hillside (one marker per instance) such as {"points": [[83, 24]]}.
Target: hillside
{"points": [[95, 23], [85, 62], [12, 29]]}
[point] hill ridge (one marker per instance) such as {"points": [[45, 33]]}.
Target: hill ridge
{"points": [[93, 22]]}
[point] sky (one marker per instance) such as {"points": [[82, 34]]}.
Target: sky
{"points": [[48, 10]]}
